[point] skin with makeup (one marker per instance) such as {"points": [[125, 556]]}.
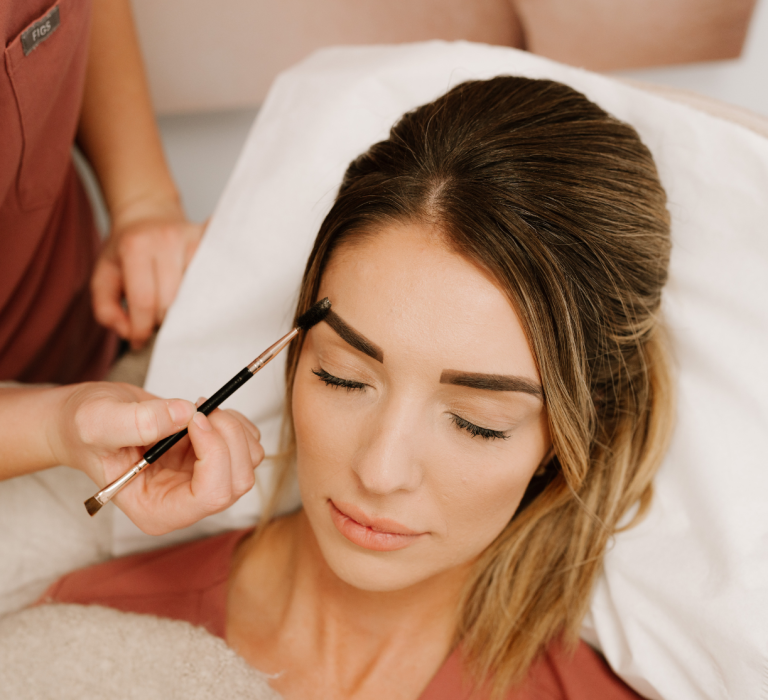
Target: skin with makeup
{"points": [[419, 422]]}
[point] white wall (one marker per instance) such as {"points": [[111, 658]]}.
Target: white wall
{"points": [[202, 150]]}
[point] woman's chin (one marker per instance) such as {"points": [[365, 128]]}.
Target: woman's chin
{"points": [[370, 563], [368, 570]]}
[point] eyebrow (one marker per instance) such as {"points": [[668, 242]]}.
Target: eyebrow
{"points": [[351, 336], [491, 382]]}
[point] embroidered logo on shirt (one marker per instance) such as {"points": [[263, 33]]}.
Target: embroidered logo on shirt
{"points": [[40, 31]]}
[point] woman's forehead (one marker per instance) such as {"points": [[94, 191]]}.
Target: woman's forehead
{"points": [[403, 287]]}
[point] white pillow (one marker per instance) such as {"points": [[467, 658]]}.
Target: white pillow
{"points": [[682, 609]]}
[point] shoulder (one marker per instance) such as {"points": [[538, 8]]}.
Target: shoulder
{"points": [[559, 674], [581, 674], [180, 568], [186, 581]]}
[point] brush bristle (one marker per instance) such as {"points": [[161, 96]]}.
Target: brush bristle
{"points": [[92, 506], [315, 314]]}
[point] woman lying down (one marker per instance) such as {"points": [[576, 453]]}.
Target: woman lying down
{"points": [[488, 399]]}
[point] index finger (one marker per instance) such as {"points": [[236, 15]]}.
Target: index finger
{"points": [[106, 297], [140, 291]]}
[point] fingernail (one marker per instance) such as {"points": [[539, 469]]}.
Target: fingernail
{"points": [[202, 422], [200, 401], [181, 411]]}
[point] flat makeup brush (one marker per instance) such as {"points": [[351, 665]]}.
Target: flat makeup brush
{"points": [[312, 317]]}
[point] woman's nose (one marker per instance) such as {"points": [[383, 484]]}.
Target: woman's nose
{"points": [[388, 460]]}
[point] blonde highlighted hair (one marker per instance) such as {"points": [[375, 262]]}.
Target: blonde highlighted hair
{"points": [[562, 205]]}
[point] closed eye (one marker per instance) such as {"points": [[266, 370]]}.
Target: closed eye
{"points": [[330, 380], [476, 430]]}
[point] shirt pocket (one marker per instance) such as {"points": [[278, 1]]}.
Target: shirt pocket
{"points": [[48, 83]]}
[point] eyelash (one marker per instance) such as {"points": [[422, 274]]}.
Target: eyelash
{"points": [[330, 380], [461, 423], [476, 430]]}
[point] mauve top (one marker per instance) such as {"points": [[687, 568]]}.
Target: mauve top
{"points": [[48, 240], [189, 582]]}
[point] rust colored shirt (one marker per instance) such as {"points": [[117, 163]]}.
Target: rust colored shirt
{"points": [[189, 582], [48, 240]]}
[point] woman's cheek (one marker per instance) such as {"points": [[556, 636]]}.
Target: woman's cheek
{"points": [[494, 484], [324, 427], [479, 493]]}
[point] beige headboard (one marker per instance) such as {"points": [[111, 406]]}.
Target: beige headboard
{"points": [[224, 54]]}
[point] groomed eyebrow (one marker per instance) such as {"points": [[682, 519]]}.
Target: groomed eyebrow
{"points": [[351, 336], [491, 382]]}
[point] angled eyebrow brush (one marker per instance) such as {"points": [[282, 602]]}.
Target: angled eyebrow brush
{"points": [[311, 318]]}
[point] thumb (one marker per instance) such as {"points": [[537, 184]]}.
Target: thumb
{"points": [[145, 422]]}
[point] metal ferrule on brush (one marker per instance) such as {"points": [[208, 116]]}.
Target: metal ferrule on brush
{"points": [[108, 492], [271, 351]]}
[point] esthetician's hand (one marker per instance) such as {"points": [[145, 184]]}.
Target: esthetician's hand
{"points": [[142, 263], [104, 428]]}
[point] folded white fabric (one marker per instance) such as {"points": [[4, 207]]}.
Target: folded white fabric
{"points": [[46, 533], [682, 609]]}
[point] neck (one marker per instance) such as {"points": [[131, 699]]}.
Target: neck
{"points": [[285, 596]]}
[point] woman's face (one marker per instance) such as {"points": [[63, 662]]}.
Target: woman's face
{"points": [[418, 411]]}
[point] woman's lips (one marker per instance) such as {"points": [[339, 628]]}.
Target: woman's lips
{"points": [[378, 534]]}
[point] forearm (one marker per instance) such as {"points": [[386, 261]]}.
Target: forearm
{"points": [[28, 420], [117, 130]]}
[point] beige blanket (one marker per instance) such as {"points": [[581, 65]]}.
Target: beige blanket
{"points": [[71, 652]]}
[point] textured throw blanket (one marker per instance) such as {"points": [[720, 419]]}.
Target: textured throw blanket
{"points": [[71, 652]]}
